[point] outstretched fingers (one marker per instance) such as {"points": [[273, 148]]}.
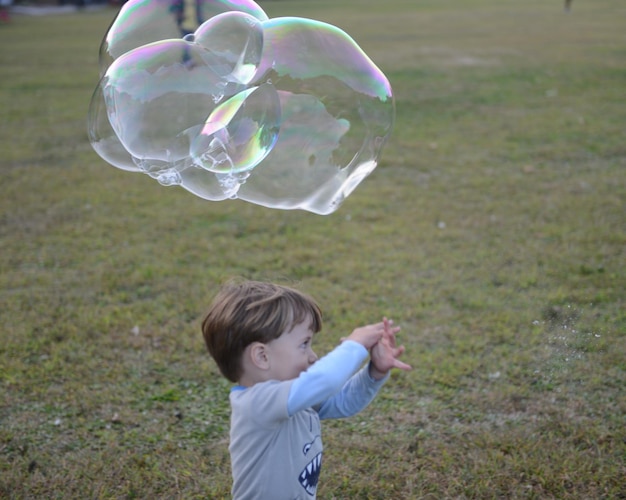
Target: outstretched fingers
{"points": [[401, 365], [389, 339]]}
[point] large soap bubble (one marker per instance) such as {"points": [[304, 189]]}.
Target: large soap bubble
{"points": [[286, 113]]}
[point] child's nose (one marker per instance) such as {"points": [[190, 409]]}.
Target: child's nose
{"points": [[312, 357]]}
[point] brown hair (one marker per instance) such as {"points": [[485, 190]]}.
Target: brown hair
{"points": [[244, 312]]}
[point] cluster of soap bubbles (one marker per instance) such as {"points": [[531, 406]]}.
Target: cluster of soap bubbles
{"points": [[214, 96]]}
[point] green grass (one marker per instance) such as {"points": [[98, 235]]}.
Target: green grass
{"points": [[493, 232]]}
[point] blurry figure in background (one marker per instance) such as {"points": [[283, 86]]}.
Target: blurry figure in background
{"points": [[180, 9], [5, 5], [568, 5], [80, 4]]}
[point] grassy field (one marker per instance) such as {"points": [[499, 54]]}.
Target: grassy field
{"points": [[493, 232]]}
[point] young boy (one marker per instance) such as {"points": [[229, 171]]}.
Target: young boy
{"points": [[260, 335]]}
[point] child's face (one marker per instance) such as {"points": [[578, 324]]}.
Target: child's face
{"points": [[291, 353]]}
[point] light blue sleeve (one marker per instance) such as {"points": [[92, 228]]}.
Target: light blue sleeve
{"points": [[326, 377], [355, 395]]}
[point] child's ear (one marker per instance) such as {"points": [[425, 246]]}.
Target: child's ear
{"points": [[259, 355]]}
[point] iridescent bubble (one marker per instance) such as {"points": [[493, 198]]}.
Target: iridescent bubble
{"points": [[240, 132], [234, 41], [337, 113], [286, 113], [140, 22], [154, 94], [103, 138]]}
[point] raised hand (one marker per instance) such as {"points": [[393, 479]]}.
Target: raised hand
{"points": [[368, 335], [384, 354]]}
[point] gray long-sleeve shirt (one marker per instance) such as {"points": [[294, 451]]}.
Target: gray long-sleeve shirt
{"points": [[275, 435]]}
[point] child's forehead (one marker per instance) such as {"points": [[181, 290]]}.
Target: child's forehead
{"points": [[302, 327]]}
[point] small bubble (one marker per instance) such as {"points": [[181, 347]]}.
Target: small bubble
{"points": [[169, 178]]}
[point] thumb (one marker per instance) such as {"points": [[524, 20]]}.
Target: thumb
{"points": [[402, 366]]}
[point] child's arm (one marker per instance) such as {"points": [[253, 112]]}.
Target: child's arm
{"points": [[355, 395], [327, 376], [359, 391]]}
